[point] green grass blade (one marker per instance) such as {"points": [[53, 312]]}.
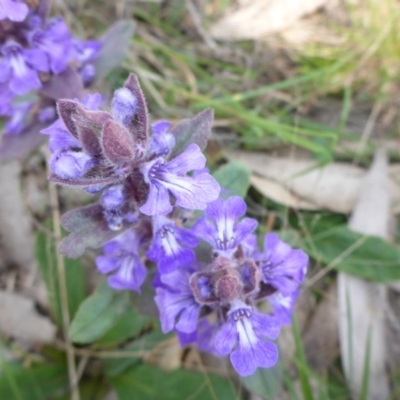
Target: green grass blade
{"points": [[302, 363]]}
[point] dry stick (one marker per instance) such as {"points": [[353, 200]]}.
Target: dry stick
{"points": [[369, 128], [73, 381], [210, 42]]}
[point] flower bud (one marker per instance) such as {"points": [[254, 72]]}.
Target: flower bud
{"points": [[124, 105]]}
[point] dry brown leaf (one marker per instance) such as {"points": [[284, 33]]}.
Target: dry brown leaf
{"points": [[15, 224], [167, 355], [321, 339], [361, 303], [20, 320], [254, 19], [300, 184]]}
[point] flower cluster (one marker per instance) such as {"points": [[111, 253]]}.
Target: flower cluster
{"points": [[214, 303], [211, 277], [34, 48], [111, 153]]}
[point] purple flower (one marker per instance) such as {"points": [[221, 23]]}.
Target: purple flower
{"points": [[47, 113], [220, 226], [6, 96], [176, 303], [59, 137], [71, 164], [281, 266], [54, 42], [283, 306], [163, 178], [84, 53], [113, 197], [20, 67], [112, 200], [162, 141], [244, 332], [19, 113], [122, 259], [204, 336], [14, 10], [172, 246]]}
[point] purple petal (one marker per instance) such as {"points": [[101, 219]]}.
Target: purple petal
{"points": [[185, 257], [246, 360], [220, 227], [226, 338], [25, 80], [13, 10], [192, 193], [188, 318], [186, 338], [266, 354], [158, 202], [161, 142], [170, 304], [283, 306], [130, 275], [265, 325], [37, 59], [169, 249], [230, 209], [244, 229], [106, 264], [191, 159], [113, 197], [71, 164], [275, 249]]}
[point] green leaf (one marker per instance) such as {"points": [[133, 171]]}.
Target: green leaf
{"points": [[93, 388], [129, 326], [147, 382], [88, 229], [37, 382], [233, 177], [98, 314], [74, 275], [115, 46], [265, 381], [196, 130], [368, 257]]}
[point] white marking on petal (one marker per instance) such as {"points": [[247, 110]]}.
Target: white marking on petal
{"points": [[225, 232], [247, 337], [282, 300], [18, 64], [169, 242]]}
